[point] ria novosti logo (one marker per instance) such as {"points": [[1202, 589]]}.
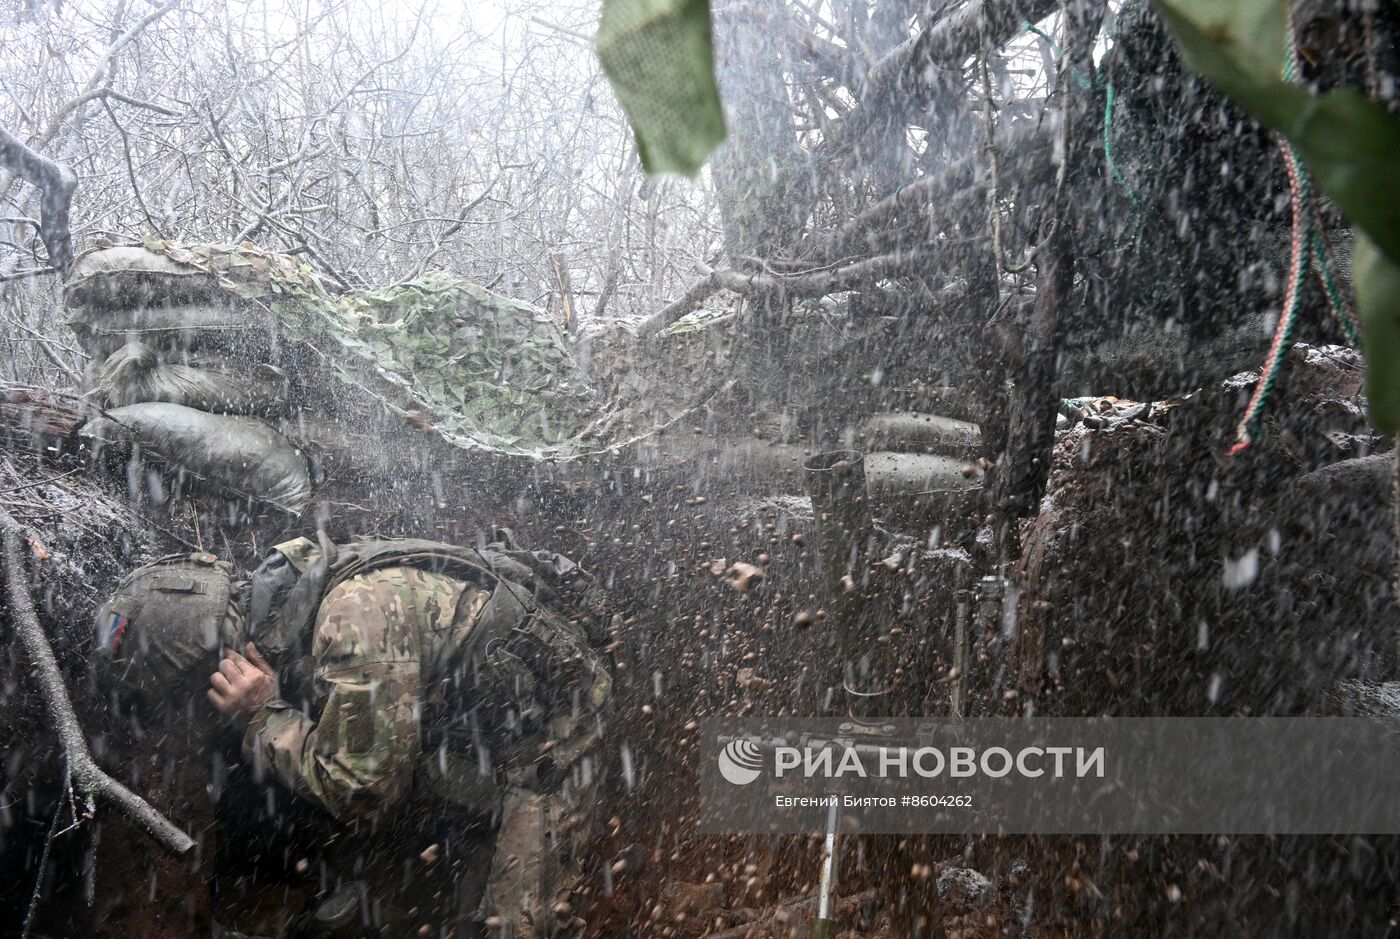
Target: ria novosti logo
{"points": [[740, 762]]}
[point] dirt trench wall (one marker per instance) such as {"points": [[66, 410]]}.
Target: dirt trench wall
{"points": [[85, 535], [1164, 577]]}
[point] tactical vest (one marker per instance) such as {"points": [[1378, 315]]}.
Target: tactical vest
{"points": [[287, 589], [522, 618]]}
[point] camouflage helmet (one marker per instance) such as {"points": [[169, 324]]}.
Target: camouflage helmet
{"points": [[160, 634]]}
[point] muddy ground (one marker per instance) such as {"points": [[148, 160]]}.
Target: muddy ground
{"points": [[1124, 572]]}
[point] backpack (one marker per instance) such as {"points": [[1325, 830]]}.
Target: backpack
{"points": [[163, 620], [287, 588], [533, 631]]}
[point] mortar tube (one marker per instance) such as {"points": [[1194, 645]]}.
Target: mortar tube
{"points": [[841, 509]]}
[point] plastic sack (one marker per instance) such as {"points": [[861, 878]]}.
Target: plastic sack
{"points": [[228, 326], [135, 374], [240, 454], [134, 275]]}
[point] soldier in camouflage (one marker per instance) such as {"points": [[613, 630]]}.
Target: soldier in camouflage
{"points": [[437, 705]]}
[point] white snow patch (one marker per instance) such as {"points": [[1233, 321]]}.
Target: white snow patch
{"points": [[1242, 571]]}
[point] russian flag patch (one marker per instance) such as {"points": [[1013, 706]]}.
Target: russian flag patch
{"points": [[110, 635]]}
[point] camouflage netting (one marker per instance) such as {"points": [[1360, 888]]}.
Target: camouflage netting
{"points": [[483, 371], [490, 373]]}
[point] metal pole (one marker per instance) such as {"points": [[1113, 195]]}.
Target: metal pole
{"points": [[841, 508], [962, 612], [822, 928]]}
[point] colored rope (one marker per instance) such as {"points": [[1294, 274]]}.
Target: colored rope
{"points": [[1110, 96], [1116, 174], [1297, 273], [1028, 27], [1309, 248], [1293, 298]]}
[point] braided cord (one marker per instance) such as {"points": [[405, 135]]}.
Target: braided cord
{"points": [[1109, 98], [1299, 186], [1028, 27]]}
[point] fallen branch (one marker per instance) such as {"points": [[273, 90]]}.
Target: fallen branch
{"points": [[84, 775], [698, 293], [801, 284], [947, 192], [913, 66], [36, 415]]}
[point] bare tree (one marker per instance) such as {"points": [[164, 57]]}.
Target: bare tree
{"points": [[373, 142]]}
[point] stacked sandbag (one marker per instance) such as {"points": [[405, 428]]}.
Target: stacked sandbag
{"points": [[182, 364], [374, 389], [242, 455], [208, 382], [135, 278], [136, 293]]}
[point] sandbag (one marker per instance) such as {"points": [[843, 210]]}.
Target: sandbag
{"points": [[230, 326], [476, 369], [240, 454], [381, 451], [134, 275], [135, 374]]}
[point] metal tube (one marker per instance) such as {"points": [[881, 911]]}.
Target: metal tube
{"points": [[962, 612], [822, 928], [841, 508]]}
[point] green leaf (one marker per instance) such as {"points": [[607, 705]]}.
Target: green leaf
{"points": [[659, 59], [1244, 35], [1377, 280], [1352, 147]]}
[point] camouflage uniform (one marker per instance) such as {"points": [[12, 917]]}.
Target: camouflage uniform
{"points": [[411, 708]]}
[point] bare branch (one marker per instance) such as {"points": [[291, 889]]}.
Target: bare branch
{"points": [[55, 183], [808, 284], [103, 69], [131, 169], [947, 192], [698, 293], [86, 777], [905, 72]]}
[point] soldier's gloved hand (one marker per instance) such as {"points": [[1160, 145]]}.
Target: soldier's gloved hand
{"points": [[241, 686]]}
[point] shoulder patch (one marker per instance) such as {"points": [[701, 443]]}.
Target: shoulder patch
{"points": [[111, 629]]}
